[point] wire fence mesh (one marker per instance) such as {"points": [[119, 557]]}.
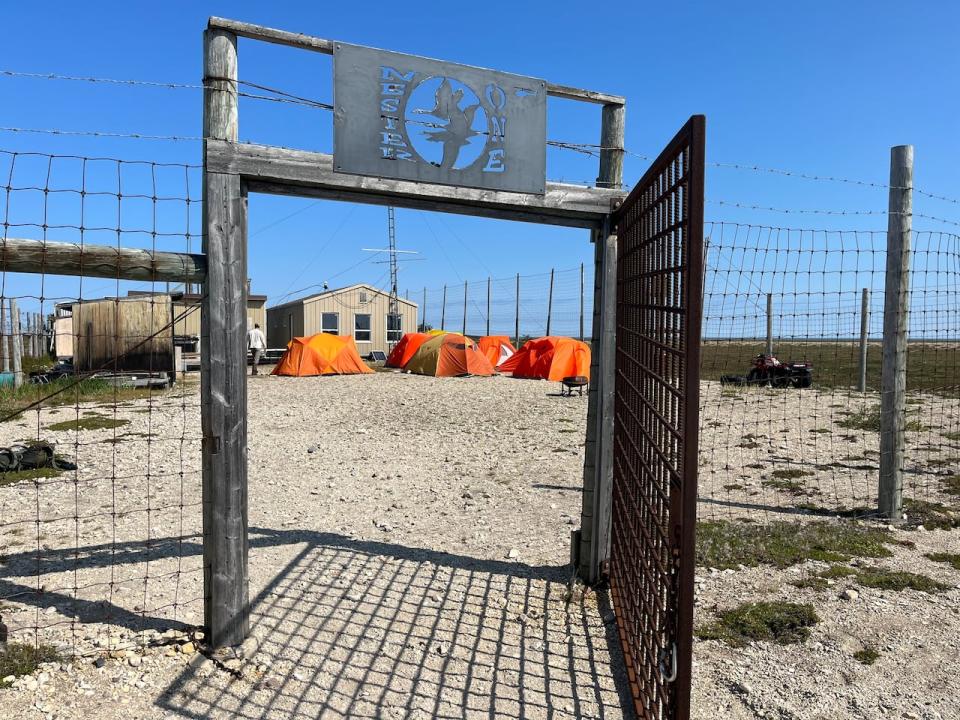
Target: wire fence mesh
{"points": [[100, 523], [779, 452]]}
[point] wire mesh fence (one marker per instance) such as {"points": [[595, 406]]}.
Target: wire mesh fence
{"points": [[774, 448], [100, 522]]}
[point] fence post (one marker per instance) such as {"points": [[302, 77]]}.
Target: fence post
{"points": [[488, 305], [443, 308], [581, 302], [591, 545], [464, 308], [223, 361], [16, 343], [893, 381], [516, 323], [550, 302], [4, 343], [864, 333], [769, 350]]}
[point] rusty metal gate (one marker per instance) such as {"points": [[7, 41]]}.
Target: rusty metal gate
{"points": [[659, 231]]}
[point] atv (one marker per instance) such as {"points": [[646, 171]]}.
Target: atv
{"points": [[767, 370]]}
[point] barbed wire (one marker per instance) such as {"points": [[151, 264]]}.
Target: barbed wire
{"points": [[814, 211]]}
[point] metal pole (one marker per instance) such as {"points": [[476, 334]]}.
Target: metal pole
{"points": [[16, 343], [488, 306], [223, 360], [581, 302], [443, 308], [516, 321], [864, 332], [769, 324], [423, 323], [464, 308], [893, 382]]}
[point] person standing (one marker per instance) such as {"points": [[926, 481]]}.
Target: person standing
{"points": [[256, 342]]}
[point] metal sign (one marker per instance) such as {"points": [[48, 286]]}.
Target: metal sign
{"points": [[412, 118]]}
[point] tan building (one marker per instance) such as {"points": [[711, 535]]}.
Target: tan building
{"points": [[358, 310], [186, 311]]}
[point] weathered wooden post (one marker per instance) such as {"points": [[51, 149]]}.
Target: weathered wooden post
{"points": [[893, 381], [864, 334], [16, 338], [581, 302], [592, 546], [443, 308], [224, 361], [516, 317], [769, 346], [4, 343], [550, 301], [488, 305]]}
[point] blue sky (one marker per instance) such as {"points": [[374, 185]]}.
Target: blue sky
{"points": [[822, 88]]}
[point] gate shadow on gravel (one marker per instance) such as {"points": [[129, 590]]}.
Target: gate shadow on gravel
{"points": [[364, 629]]}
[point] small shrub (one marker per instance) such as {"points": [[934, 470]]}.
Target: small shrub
{"points": [[867, 656], [15, 476], [952, 559], [20, 659], [96, 422], [783, 623], [932, 515]]}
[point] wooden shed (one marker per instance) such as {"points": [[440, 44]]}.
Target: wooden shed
{"points": [[186, 310], [131, 334], [357, 310]]}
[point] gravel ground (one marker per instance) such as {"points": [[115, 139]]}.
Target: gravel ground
{"points": [[409, 550]]}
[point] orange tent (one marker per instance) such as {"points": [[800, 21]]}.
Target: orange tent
{"points": [[321, 354], [550, 358], [497, 348], [404, 350], [448, 355]]}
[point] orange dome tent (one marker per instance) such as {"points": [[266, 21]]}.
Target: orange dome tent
{"points": [[497, 348], [448, 355], [321, 354], [550, 358], [404, 350]]}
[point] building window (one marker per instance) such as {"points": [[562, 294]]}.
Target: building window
{"points": [[330, 323], [361, 328], [394, 328], [363, 297]]}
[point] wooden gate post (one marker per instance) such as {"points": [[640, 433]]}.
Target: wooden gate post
{"points": [[591, 546], [223, 361]]}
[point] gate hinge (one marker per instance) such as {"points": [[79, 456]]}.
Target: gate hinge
{"points": [[668, 653]]}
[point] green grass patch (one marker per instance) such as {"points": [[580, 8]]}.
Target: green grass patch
{"points": [[725, 544], [733, 486], [20, 659], [950, 484], [790, 473], [11, 478], [93, 422], [783, 623], [932, 515], [867, 656], [952, 559], [943, 462], [897, 581], [66, 391], [952, 435], [869, 419], [794, 487]]}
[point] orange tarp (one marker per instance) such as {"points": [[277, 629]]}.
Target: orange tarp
{"points": [[550, 358], [496, 348], [404, 350], [321, 354], [449, 355]]}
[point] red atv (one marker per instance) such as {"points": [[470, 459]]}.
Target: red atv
{"points": [[767, 370]]}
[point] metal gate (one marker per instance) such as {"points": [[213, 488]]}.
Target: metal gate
{"points": [[659, 231]]}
